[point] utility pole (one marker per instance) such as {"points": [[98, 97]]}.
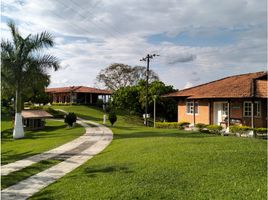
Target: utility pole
{"points": [[147, 59]]}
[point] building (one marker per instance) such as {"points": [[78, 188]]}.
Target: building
{"points": [[240, 99], [34, 119], [77, 94]]}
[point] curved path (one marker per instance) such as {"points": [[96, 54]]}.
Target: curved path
{"points": [[76, 153]]}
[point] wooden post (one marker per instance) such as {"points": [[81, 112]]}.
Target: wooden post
{"points": [[252, 114], [228, 114], [90, 98], [194, 112]]}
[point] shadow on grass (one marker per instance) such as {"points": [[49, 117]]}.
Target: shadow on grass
{"points": [[94, 171], [10, 156], [22, 174], [86, 117]]}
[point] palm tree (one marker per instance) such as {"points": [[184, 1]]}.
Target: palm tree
{"points": [[23, 66]]}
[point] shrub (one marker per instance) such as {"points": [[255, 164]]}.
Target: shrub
{"points": [[112, 117], [183, 125], [166, 124], [201, 126], [261, 130], [240, 129], [214, 129], [70, 118]]}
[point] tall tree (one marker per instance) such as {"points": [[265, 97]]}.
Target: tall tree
{"points": [[23, 66], [119, 75]]}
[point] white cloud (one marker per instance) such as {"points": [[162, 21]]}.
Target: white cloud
{"points": [[90, 35]]}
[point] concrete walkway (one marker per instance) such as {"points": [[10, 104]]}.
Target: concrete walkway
{"points": [[75, 152]]}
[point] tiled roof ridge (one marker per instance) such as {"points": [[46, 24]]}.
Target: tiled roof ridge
{"points": [[223, 79]]}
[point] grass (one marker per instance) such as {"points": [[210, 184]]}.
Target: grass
{"points": [[147, 163], [53, 135], [22, 174]]}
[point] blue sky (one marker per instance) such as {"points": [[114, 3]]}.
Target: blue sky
{"points": [[198, 41]]}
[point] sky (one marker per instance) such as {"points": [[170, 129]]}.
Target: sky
{"points": [[198, 40]]}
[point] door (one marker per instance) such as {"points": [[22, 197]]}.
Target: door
{"points": [[220, 112]]}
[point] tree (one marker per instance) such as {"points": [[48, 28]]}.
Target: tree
{"points": [[119, 75], [112, 117], [132, 99], [23, 65], [70, 118]]}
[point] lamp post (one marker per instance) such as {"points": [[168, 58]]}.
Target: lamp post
{"points": [[147, 59]]}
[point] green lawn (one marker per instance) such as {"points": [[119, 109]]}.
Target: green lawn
{"points": [[53, 135], [147, 163]]}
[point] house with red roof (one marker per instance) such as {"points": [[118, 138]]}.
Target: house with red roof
{"points": [[234, 100], [77, 94]]}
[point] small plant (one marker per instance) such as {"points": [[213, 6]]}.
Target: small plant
{"points": [[214, 129], [70, 119], [261, 130], [166, 124], [201, 126], [112, 117], [239, 129], [183, 125]]}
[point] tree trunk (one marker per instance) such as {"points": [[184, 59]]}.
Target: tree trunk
{"points": [[18, 131]]}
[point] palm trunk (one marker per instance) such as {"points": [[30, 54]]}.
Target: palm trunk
{"points": [[18, 131]]}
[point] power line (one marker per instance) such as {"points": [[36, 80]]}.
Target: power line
{"points": [[147, 59]]}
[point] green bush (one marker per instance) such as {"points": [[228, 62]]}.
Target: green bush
{"points": [[261, 130], [70, 118], [214, 129], [183, 125], [239, 129], [166, 124], [112, 117], [201, 126]]}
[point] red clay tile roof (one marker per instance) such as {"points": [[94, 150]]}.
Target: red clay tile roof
{"points": [[35, 114], [76, 89], [238, 86]]}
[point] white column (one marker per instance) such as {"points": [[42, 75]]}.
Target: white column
{"points": [[18, 131]]}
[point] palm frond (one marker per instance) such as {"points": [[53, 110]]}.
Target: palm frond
{"points": [[41, 40], [48, 61]]}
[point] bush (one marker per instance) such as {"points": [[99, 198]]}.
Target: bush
{"points": [[70, 119], [112, 117], [261, 130], [214, 129], [240, 129], [183, 125], [201, 126], [166, 124]]}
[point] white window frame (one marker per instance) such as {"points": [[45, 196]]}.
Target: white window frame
{"points": [[248, 111], [190, 105], [257, 107]]}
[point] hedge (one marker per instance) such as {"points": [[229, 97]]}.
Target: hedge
{"points": [[261, 130], [180, 125], [166, 124], [240, 129], [214, 129]]}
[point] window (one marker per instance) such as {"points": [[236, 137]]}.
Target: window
{"points": [[190, 107], [247, 109]]}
